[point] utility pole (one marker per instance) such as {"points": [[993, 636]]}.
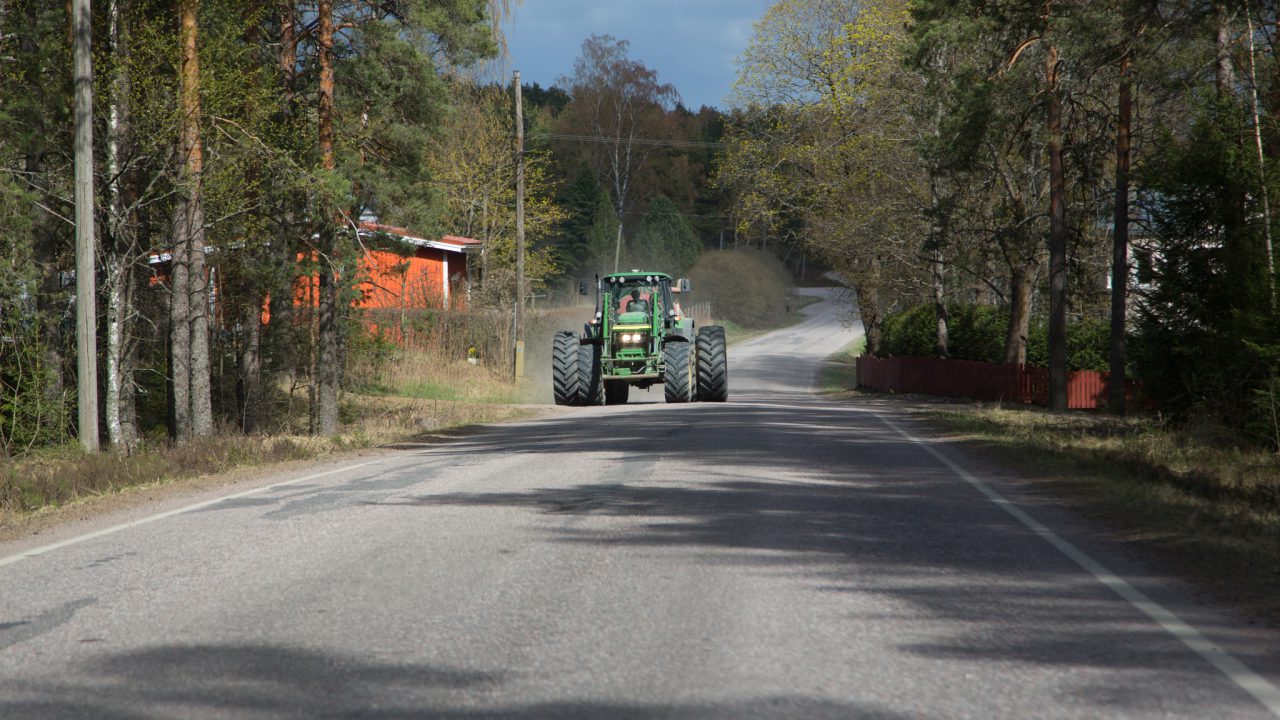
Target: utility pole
{"points": [[519, 319], [86, 309]]}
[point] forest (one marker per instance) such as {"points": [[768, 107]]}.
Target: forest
{"points": [[1073, 179], [240, 147], [1075, 172]]}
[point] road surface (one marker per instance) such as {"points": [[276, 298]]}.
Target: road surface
{"points": [[778, 555]]}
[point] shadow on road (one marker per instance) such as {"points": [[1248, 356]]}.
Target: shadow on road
{"points": [[276, 682], [829, 492]]}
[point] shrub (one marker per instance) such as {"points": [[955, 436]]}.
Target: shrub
{"points": [[977, 332]]}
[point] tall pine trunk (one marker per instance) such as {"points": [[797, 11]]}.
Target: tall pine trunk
{"points": [[327, 376], [1120, 244], [1057, 240], [189, 320]]}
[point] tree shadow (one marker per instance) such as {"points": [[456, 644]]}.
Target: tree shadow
{"points": [[279, 682], [830, 494]]}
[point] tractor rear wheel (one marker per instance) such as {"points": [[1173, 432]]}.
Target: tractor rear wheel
{"points": [[564, 368], [590, 387], [677, 377], [616, 392], [713, 365]]}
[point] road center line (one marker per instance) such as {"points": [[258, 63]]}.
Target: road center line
{"points": [[1251, 682], [43, 549]]}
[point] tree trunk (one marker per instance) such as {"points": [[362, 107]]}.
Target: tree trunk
{"points": [[1262, 169], [617, 250], [1057, 240], [180, 330], [941, 339], [1021, 284], [281, 334], [869, 311], [189, 329], [121, 421], [1120, 245], [251, 364], [1224, 69], [937, 240], [327, 358]]}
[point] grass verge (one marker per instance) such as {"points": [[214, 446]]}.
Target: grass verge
{"points": [[839, 372]]}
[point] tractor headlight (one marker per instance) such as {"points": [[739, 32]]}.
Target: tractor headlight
{"points": [[631, 338]]}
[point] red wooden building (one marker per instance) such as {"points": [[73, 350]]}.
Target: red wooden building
{"points": [[435, 274]]}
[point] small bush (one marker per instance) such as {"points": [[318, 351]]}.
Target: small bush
{"points": [[747, 287]]}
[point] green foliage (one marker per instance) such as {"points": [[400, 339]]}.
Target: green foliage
{"points": [[1207, 342], [34, 409], [977, 332], [572, 240], [603, 235], [665, 241], [910, 333], [747, 287]]}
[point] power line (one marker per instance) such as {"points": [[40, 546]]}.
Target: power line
{"points": [[633, 141]]}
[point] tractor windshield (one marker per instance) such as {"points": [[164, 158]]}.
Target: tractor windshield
{"points": [[633, 302]]}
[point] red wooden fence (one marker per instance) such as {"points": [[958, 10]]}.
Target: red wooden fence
{"points": [[1020, 384]]}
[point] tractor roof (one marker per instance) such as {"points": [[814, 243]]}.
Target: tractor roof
{"points": [[638, 275]]}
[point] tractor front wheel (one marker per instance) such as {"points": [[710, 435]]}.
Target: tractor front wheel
{"points": [[677, 377], [616, 392], [564, 368], [713, 365], [590, 387]]}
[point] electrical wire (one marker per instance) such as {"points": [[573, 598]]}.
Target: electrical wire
{"points": [[631, 141]]}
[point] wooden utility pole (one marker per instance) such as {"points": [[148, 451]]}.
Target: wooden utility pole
{"points": [[86, 309], [520, 293]]}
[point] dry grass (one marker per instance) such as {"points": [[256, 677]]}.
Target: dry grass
{"points": [[431, 376], [58, 476], [1210, 506]]}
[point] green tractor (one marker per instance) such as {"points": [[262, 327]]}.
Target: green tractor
{"points": [[639, 336]]}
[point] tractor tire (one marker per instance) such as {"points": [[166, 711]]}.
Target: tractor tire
{"points": [[590, 386], [616, 392], [564, 368], [677, 377], [713, 365]]}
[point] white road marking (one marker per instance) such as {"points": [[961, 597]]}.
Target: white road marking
{"points": [[43, 549], [1251, 682]]}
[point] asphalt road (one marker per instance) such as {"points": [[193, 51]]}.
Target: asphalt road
{"points": [[774, 556]]}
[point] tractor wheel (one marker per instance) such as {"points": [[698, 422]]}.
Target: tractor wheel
{"points": [[616, 392], [677, 378], [590, 387], [713, 365], [564, 368]]}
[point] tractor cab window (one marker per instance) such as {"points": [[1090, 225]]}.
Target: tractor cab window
{"points": [[634, 302]]}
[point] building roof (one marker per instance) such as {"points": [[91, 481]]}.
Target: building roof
{"points": [[450, 243]]}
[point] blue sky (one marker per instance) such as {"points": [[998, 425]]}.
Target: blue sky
{"points": [[691, 43]]}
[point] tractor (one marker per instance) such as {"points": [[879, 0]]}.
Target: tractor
{"points": [[639, 336]]}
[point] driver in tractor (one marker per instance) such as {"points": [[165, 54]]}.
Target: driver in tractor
{"points": [[636, 304]]}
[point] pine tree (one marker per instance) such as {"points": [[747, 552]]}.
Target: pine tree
{"points": [[665, 242]]}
